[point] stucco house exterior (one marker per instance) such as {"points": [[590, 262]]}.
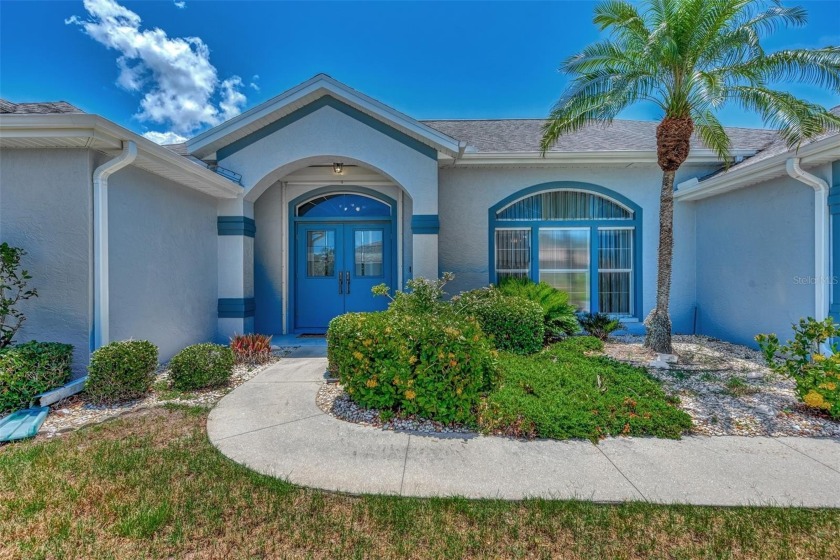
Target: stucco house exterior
{"points": [[286, 215]]}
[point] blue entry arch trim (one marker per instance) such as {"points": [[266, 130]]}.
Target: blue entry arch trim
{"points": [[533, 225], [295, 220]]}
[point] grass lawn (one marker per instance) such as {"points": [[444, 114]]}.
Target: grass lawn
{"points": [[569, 391], [150, 485]]}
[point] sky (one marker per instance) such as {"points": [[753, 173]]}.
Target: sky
{"points": [[172, 68]]}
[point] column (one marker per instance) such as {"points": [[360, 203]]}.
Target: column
{"points": [[236, 229]]}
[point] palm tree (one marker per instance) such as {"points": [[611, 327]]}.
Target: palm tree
{"points": [[691, 58]]}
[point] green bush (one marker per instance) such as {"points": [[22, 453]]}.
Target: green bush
{"points": [[563, 393], [805, 359], [599, 325], [434, 365], [423, 295], [121, 371], [31, 368], [514, 324], [200, 366], [558, 314]]}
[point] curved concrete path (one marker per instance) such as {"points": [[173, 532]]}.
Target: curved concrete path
{"points": [[272, 425]]}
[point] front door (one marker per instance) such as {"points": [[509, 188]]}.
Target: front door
{"points": [[336, 266]]}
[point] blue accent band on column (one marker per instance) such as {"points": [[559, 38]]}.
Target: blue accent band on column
{"points": [[236, 225], [425, 224], [236, 308]]}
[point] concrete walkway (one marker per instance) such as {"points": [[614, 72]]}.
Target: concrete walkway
{"points": [[272, 425]]}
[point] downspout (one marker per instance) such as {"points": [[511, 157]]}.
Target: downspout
{"points": [[100, 240], [821, 236]]}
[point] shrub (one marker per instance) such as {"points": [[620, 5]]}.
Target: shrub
{"points": [[251, 349], [13, 290], [558, 314], [599, 325], [200, 366], [434, 365], [563, 392], [514, 324], [31, 368], [121, 371], [810, 360], [423, 295]]}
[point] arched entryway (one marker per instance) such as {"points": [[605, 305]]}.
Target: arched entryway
{"points": [[342, 244]]}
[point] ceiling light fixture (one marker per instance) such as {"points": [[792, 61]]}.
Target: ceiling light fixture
{"points": [[338, 168]]}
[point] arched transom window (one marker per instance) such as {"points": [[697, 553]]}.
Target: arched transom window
{"points": [[580, 241], [343, 205]]}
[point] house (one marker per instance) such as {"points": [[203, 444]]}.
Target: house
{"points": [[285, 216]]}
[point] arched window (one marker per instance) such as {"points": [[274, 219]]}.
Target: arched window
{"points": [[581, 239], [343, 205]]}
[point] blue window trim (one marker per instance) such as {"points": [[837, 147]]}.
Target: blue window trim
{"points": [[327, 101], [294, 220], [236, 308], [834, 238], [425, 224], [236, 225], [534, 225]]}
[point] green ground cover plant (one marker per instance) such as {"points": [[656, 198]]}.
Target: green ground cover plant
{"points": [[570, 390]]}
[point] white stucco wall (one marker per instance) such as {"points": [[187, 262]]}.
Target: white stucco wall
{"points": [[46, 208], [754, 248], [329, 135], [466, 194], [163, 262]]}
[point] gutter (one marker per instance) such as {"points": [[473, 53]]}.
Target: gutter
{"points": [[101, 311], [822, 270]]}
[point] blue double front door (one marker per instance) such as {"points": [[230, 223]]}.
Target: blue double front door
{"points": [[336, 265]]}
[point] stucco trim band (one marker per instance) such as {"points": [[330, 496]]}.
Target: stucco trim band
{"points": [[236, 308], [236, 225], [425, 224]]}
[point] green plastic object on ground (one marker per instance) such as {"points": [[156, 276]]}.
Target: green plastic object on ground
{"points": [[23, 423]]}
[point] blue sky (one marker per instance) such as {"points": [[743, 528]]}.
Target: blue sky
{"points": [[429, 60]]}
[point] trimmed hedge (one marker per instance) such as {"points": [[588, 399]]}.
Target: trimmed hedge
{"points": [[432, 365], [514, 324], [200, 366], [31, 368], [121, 371]]}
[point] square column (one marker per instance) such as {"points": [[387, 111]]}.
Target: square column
{"points": [[236, 230], [424, 232]]}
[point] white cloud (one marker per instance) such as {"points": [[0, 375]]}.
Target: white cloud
{"points": [[180, 5], [165, 137], [181, 88], [253, 85]]}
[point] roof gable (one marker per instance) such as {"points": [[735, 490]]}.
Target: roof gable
{"points": [[343, 98]]}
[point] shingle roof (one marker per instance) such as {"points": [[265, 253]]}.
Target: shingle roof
{"points": [[180, 149], [779, 146], [523, 135], [41, 108]]}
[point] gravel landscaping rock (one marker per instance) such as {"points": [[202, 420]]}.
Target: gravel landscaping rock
{"points": [[75, 412], [727, 389], [333, 400]]}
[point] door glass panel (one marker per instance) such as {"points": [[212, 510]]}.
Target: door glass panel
{"points": [[564, 262], [615, 270], [513, 253], [320, 253], [343, 206], [367, 250]]}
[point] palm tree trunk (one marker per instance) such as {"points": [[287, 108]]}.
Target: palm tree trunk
{"points": [[658, 323], [673, 142]]}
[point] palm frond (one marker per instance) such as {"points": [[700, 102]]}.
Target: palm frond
{"points": [[713, 135]]}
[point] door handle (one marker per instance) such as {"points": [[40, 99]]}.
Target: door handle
{"points": [[341, 282], [348, 281]]}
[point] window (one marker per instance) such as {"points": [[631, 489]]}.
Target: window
{"points": [[342, 206], [513, 253], [579, 241]]}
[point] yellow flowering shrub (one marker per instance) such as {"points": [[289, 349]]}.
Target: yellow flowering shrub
{"points": [[432, 364], [811, 358]]}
